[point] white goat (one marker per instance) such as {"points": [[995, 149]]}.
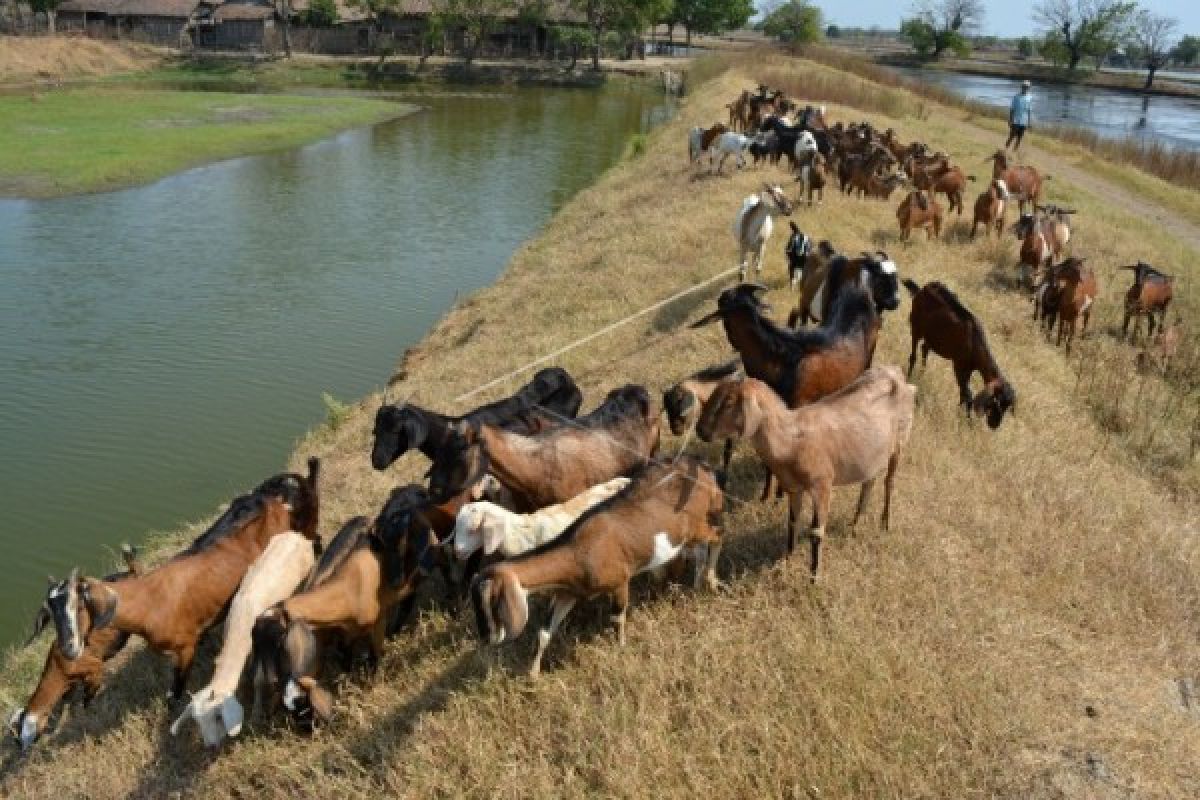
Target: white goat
{"points": [[753, 225], [271, 579], [493, 527], [729, 144]]}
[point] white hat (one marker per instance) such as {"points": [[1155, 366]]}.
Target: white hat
{"points": [[1025, 84]]}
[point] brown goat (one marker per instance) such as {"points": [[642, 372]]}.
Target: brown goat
{"points": [[941, 323], [989, 209], [665, 511], [173, 604], [942, 178], [917, 211], [61, 674], [851, 436], [1024, 182], [1036, 249], [554, 466], [1151, 293], [1073, 289], [351, 602]]}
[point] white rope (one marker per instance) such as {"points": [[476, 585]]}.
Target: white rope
{"points": [[594, 335]]}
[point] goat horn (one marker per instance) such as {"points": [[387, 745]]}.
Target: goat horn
{"points": [[706, 320], [758, 287]]}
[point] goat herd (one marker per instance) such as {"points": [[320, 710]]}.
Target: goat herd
{"points": [[526, 497]]}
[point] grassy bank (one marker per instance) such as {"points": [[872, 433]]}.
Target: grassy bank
{"points": [[89, 139], [1019, 632], [36, 59]]}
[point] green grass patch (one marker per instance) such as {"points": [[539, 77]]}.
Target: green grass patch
{"points": [[97, 139]]}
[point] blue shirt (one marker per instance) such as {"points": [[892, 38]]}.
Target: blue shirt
{"points": [[1021, 110]]}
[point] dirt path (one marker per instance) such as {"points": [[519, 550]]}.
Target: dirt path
{"points": [[1173, 222]]}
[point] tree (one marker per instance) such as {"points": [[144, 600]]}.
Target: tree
{"points": [[941, 25], [1150, 41], [1079, 28], [709, 16], [47, 7], [794, 22], [628, 17], [1187, 51], [1025, 47], [320, 14], [575, 40], [474, 18]]}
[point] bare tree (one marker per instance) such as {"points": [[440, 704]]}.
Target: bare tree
{"points": [[1083, 27], [1150, 41]]}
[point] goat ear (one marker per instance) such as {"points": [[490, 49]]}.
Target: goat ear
{"points": [[491, 532], [40, 621], [319, 698], [102, 608], [232, 715]]}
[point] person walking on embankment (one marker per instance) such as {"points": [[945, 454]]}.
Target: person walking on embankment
{"points": [[1020, 115]]}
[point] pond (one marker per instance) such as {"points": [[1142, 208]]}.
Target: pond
{"points": [[162, 348], [1109, 112]]}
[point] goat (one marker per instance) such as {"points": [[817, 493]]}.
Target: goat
{"points": [[989, 208], [804, 365], [944, 179], [60, 675], [665, 510], [917, 211], [400, 428], [1151, 292], [683, 401], [833, 272], [881, 187], [352, 602], [172, 605], [812, 179], [1161, 348], [851, 436], [1074, 292], [1025, 182], [554, 466], [701, 139], [1057, 226], [1036, 250], [272, 578], [753, 226], [494, 528], [726, 145], [941, 323]]}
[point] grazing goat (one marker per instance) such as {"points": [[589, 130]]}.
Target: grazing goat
{"points": [[812, 179], [800, 365], [1151, 293], [1069, 293], [272, 578], [400, 428], [753, 226], [797, 250], [60, 674], [665, 510], [353, 602], [989, 209], [683, 401], [1024, 182], [881, 187], [941, 323], [831, 273], [554, 466], [726, 145], [944, 179], [494, 528], [701, 139], [173, 604], [848, 437], [919, 211]]}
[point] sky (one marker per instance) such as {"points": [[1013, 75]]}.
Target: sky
{"points": [[1003, 18]]}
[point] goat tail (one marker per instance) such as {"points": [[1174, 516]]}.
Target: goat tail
{"points": [[912, 286]]}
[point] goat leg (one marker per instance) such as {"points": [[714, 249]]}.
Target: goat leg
{"points": [[864, 497], [562, 604], [620, 598], [889, 481]]}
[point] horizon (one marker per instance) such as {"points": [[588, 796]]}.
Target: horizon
{"points": [[1006, 20]]}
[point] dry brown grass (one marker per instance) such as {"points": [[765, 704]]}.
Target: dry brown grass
{"points": [[25, 59], [1018, 633]]}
